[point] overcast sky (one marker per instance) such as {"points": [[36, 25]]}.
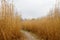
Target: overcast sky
{"points": [[34, 8]]}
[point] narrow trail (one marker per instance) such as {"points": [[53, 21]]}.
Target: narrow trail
{"points": [[29, 36]]}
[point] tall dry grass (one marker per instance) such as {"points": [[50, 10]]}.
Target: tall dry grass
{"points": [[9, 22], [47, 28]]}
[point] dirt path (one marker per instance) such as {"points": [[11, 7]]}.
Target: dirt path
{"points": [[29, 36]]}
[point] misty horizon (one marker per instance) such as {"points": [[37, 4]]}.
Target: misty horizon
{"points": [[34, 8]]}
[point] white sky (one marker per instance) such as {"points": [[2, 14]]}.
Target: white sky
{"points": [[34, 8]]}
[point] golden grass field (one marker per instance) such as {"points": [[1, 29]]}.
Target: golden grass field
{"points": [[46, 28]]}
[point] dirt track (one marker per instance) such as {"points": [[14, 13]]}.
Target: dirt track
{"points": [[29, 36]]}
